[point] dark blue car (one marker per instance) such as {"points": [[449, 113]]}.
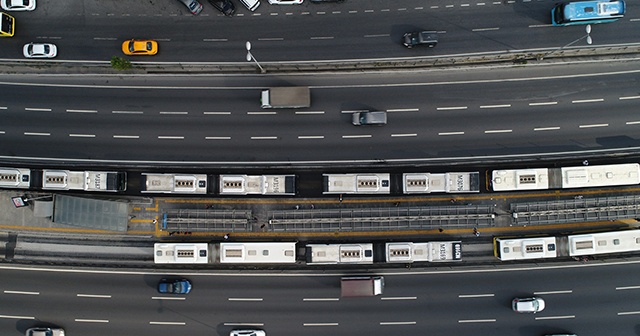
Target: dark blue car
{"points": [[182, 286]]}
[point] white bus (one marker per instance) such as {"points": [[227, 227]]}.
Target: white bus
{"points": [[175, 183], [587, 12], [15, 178], [430, 251], [327, 254], [424, 183], [525, 248], [257, 185], [604, 242], [356, 183], [257, 253], [181, 253]]}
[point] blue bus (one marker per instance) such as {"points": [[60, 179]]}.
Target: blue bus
{"points": [[587, 12]]}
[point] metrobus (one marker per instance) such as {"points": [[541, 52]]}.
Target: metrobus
{"points": [[7, 24], [326, 254], [587, 12]]}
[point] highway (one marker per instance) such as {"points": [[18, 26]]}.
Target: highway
{"points": [[217, 119], [586, 299]]}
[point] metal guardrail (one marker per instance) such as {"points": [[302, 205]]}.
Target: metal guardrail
{"points": [[576, 210], [381, 219]]}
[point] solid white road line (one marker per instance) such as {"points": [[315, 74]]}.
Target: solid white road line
{"points": [[451, 133], [168, 298], [320, 299], [82, 135], [467, 296], [377, 35], [309, 112], [170, 137], [450, 108], [217, 138], [494, 106], [404, 110], [477, 321], [353, 111], [21, 292], [587, 101], [404, 135], [327, 324], [399, 298], [260, 112], [554, 292], [37, 133], [629, 313], [356, 136], [91, 321], [498, 131], [82, 111], [553, 128], [243, 324], [97, 296], [310, 136], [484, 29], [18, 317], [632, 122], [207, 113], [555, 317], [167, 323], [245, 299], [543, 104], [627, 287], [215, 40], [36, 109], [264, 138], [322, 37], [173, 112], [397, 323], [127, 112], [593, 125], [271, 39], [629, 97], [126, 136]]}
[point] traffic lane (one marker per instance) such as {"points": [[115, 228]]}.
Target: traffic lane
{"points": [[311, 28]]}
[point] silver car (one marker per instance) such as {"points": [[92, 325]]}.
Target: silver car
{"points": [[40, 50], [194, 6], [44, 331], [18, 5], [528, 305]]}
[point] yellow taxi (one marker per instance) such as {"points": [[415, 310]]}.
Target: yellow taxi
{"points": [[140, 47]]}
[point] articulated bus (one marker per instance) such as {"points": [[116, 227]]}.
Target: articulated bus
{"points": [[7, 24], [587, 12]]}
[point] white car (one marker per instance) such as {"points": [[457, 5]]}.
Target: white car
{"points": [[527, 305], [251, 4], [252, 332], [286, 2], [45, 332], [18, 5], [40, 50]]}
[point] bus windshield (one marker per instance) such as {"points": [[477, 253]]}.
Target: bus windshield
{"points": [[587, 12]]}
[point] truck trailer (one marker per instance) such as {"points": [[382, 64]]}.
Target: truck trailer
{"points": [[362, 286], [286, 97]]}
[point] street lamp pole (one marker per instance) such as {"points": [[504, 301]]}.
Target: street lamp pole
{"points": [[250, 57], [587, 29]]}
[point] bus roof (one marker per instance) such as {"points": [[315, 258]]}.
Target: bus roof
{"points": [[588, 10]]}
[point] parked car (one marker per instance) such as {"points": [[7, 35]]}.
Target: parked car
{"points": [[225, 7], [181, 286], [39, 50], [425, 38], [248, 332], [194, 6], [286, 2], [527, 305], [140, 47], [18, 5], [251, 4], [44, 331]]}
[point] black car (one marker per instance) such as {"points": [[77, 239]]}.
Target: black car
{"points": [[225, 7], [427, 38]]}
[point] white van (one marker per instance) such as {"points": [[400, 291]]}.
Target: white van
{"points": [[251, 4]]}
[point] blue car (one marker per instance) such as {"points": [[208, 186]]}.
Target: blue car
{"points": [[182, 286]]}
